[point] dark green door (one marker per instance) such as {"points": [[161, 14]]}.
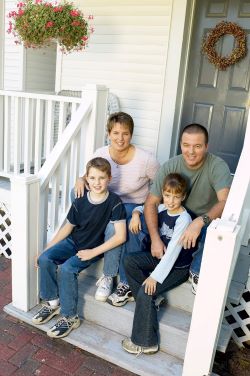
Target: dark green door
{"points": [[219, 99]]}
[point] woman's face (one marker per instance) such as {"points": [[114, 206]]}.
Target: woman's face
{"points": [[120, 137]]}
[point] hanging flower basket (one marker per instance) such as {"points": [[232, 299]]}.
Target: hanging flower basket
{"points": [[37, 23]]}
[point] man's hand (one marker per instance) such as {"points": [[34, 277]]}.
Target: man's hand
{"points": [[85, 254], [189, 237], [157, 248], [150, 286]]}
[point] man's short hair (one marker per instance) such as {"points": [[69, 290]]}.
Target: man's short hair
{"points": [[121, 118], [195, 128], [99, 163]]}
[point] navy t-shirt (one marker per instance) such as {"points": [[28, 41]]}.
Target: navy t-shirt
{"points": [[90, 219]]}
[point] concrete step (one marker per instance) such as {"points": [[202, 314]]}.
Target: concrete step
{"points": [[106, 344], [174, 323]]}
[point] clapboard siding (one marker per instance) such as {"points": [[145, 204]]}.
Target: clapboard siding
{"points": [[13, 56], [127, 53]]}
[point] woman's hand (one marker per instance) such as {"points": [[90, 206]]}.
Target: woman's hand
{"points": [[79, 187], [150, 286], [85, 254], [135, 223]]}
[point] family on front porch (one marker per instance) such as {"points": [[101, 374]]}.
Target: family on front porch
{"points": [[106, 218]]}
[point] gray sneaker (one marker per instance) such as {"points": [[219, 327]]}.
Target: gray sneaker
{"points": [[45, 314], [63, 327], [121, 296], [130, 347]]}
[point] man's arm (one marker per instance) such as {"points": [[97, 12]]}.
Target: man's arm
{"points": [[118, 238], [61, 234], [151, 217], [188, 239]]}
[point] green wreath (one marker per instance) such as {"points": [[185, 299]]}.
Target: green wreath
{"points": [[239, 51]]}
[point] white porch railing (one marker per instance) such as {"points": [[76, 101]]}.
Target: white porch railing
{"points": [[30, 125], [223, 241], [41, 201]]}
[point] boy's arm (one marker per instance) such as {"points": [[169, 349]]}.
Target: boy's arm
{"points": [[61, 234], [118, 238], [164, 267]]}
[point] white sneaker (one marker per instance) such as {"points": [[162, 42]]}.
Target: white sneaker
{"points": [[105, 286]]}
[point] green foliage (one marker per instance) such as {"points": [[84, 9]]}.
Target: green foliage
{"points": [[36, 23]]}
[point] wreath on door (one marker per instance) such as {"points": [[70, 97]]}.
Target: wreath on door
{"points": [[238, 52]]}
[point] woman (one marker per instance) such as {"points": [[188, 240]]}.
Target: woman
{"points": [[133, 169]]}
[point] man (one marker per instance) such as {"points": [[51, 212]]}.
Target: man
{"points": [[209, 181]]}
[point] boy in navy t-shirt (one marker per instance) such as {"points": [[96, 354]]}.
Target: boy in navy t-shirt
{"points": [[77, 245]]}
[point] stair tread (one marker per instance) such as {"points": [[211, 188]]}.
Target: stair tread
{"points": [[99, 341]]}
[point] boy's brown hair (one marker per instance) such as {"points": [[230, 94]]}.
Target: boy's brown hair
{"points": [[175, 183], [99, 163]]}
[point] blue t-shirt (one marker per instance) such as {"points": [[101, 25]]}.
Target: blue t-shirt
{"points": [[90, 219]]}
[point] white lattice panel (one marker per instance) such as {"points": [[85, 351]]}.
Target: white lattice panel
{"points": [[238, 317], [5, 231]]}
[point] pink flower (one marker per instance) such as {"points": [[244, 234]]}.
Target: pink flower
{"points": [[84, 38], [20, 5], [90, 17], [20, 12], [38, 1], [74, 13], [49, 24], [75, 23], [58, 9]]}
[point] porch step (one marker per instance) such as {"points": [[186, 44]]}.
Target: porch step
{"points": [[174, 323], [105, 343]]}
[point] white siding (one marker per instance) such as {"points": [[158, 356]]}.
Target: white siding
{"points": [[127, 53], [40, 69], [13, 55]]}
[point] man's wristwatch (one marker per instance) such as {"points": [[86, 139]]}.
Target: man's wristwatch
{"points": [[206, 219]]}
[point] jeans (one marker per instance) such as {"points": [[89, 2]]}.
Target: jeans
{"points": [[113, 259], [132, 244], [197, 256], [138, 267], [66, 286]]}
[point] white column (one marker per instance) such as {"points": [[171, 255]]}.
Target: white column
{"points": [[95, 132], [221, 250], [25, 233]]}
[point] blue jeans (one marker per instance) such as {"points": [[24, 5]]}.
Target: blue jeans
{"points": [[66, 286], [138, 267], [197, 256]]}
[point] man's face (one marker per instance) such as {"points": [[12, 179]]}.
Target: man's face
{"points": [[194, 149]]}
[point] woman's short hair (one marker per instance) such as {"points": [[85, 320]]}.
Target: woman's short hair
{"points": [[99, 163], [121, 118], [175, 183]]}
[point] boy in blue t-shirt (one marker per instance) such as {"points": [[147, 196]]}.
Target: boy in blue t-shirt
{"points": [[149, 276], [77, 245]]}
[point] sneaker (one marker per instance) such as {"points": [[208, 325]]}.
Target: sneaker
{"points": [[105, 286], [45, 314], [63, 327], [191, 275], [121, 296], [130, 347], [195, 281]]}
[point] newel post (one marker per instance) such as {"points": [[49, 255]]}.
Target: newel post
{"points": [[25, 191], [96, 127]]}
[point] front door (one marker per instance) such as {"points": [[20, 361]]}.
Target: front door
{"points": [[219, 100]]}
